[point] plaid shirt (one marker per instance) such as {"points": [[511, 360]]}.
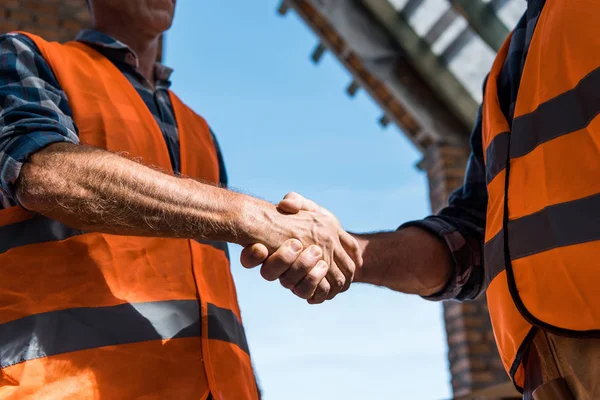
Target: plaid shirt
{"points": [[461, 225], [34, 111]]}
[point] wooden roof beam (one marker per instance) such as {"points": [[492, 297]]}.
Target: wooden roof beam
{"points": [[283, 8], [428, 65], [318, 52], [378, 90], [483, 20]]}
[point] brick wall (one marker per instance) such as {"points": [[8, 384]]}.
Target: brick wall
{"points": [[52, 19], [472, 355]]}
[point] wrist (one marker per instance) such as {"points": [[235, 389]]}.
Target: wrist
{"points": [[252, 219], [410, 260], [360, 273]]}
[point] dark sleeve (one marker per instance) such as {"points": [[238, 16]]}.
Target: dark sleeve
{"points": [[461, 225], [223, 180], [34, 112]]}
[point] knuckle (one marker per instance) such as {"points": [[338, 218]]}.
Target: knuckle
{"points": [[347, 266], [326, 217], [287, 255], [287, 282], [311, 280], [350, 280], [339, 282], [312, 252], [350, 270], [276, 257], [323, 293], [303, 292], [346, 286], [267, 274], [284, 258]]}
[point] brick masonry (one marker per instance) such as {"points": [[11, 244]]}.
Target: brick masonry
{"points": [[52, 19], [58, 20], [472, 355]]}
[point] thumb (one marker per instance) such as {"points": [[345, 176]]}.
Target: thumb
{"points": [[253, 255], [292, 203]]}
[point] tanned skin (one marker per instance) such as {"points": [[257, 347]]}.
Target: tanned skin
{"points": [[98, 191], [409, 260]]}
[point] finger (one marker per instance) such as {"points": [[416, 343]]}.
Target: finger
{"points": [[352, 247], [301, 267], [254, 255], [291, 203], [281, 259], [321, 293], [295, 202], [336, 279], [347, 267], [306, 288], [290, 206]]}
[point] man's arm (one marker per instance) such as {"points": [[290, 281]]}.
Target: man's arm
{"points": [[440, 257], [34, 111], [448, 246], [95, 190], [411, 260]]}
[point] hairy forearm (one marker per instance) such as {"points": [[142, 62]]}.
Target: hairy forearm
{"points": [[95, 190], [410, 260]]}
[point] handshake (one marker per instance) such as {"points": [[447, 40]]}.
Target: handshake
{"points": [[304, 246]]}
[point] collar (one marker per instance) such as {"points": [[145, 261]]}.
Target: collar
{"points": [[118, 51]]}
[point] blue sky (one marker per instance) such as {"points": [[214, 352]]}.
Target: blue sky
{"points": [[285, 124]]}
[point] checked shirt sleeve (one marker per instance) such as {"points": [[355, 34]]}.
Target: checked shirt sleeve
{"points": [[34, 111], [461, 226]]}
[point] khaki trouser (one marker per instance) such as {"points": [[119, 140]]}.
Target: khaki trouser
{"points": [[561, 368]]}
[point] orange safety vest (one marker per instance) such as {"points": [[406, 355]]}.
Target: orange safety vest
{"points": [[87, 315], [542, 239]]}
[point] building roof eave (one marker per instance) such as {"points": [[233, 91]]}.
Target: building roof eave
{"points": [[398, 89]]}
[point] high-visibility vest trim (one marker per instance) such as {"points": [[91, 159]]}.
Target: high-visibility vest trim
{"points": [[40, 229], [42, 335], [581, 104], [555, 225], [559, 225], [496, 157], [542, 237], [92, 315], [37, 229]]}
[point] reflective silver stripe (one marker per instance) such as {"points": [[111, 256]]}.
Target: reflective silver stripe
{"points": [[38, 229], [494, 257], [224, 325], [555, 226], [57, 332], [566, 113], [496, 155]]}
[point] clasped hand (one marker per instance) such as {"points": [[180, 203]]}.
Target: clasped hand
{"points": [[307, 250]]}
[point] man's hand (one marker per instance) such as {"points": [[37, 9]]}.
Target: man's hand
{"points": [[300, 270], [97, 191]]}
